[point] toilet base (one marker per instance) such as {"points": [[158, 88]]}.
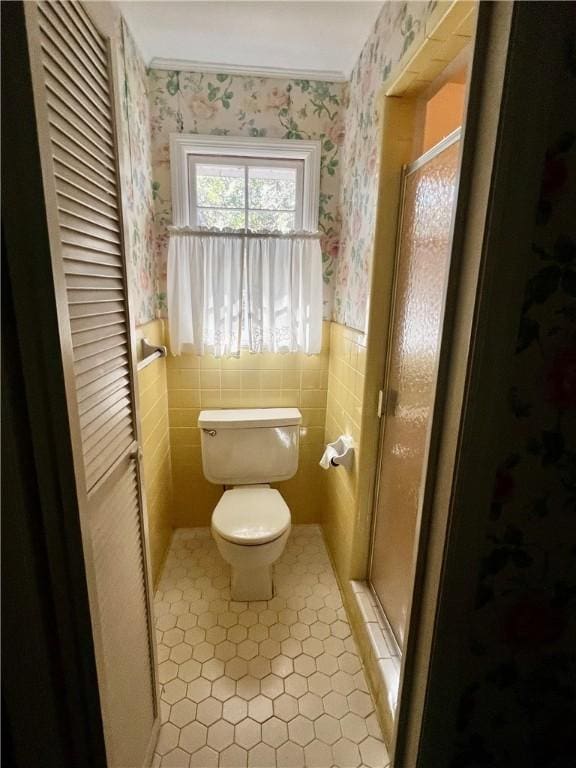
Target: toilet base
{"points": [[251, 566], [252, 584]]}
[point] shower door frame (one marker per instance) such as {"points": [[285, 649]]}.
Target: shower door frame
{"points": [[407, 170]]}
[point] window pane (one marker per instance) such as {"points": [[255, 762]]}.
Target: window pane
{"points": [[275, 220], [220, 186], [221, 218], [272, 188]]}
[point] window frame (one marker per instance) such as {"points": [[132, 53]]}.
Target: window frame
{"points": [[185, 148]]}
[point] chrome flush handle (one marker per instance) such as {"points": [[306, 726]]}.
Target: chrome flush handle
{"points": [[211, 432]]}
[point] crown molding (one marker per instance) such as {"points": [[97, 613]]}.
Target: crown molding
{"points": [[184, 65]]}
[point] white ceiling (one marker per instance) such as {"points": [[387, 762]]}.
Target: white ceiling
{"points": [[306, 38]]}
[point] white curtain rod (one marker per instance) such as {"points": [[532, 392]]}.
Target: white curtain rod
{"points": [[173, 230]]}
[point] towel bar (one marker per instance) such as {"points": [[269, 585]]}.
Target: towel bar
{"points": [[150, 352]]}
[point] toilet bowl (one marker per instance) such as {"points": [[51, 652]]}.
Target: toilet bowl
{"points": [[251, 525], [248, 449]]}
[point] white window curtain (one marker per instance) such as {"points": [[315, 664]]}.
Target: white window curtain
{"points": [[205, 275], [284, 294], [230, 290]]}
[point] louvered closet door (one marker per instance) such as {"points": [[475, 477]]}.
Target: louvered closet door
{"points": [[74, 101]]}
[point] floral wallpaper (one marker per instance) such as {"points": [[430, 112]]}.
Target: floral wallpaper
{"points": [[222, 104], [399, 25], [137, 173], [518, 705], [341, 116]]}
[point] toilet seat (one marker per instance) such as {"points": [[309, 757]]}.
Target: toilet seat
{"points": [[251, 516]]}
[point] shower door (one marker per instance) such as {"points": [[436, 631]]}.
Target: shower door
{"points": [[421, 273]]}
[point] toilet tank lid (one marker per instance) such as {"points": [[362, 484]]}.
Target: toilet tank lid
{"points": [[244, 418]]}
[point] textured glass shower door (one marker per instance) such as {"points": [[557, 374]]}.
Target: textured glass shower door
{"points": [[422, 266]]}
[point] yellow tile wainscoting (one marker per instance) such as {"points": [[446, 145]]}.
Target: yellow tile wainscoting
{"points": [[250, 381], [344, 416], [155, 437], [328, 389]]}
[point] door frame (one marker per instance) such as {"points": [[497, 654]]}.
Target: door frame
{"points": [[521, 53], [499, 146], [454, 37], [515, 56], [480, 129], [408, 169]]}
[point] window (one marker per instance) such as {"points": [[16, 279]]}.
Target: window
{"points": [[228, 290], [245, 193], [241, 183]]}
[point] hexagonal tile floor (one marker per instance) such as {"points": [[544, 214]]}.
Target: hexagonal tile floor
{"points": [[271, 683]]}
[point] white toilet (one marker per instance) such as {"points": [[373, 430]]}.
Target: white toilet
{"points": [[248, 449]]}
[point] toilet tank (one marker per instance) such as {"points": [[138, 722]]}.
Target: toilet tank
{"points": [[250, 445]]}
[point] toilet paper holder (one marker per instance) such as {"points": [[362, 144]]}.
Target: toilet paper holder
{"points": [[340, 453]]}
